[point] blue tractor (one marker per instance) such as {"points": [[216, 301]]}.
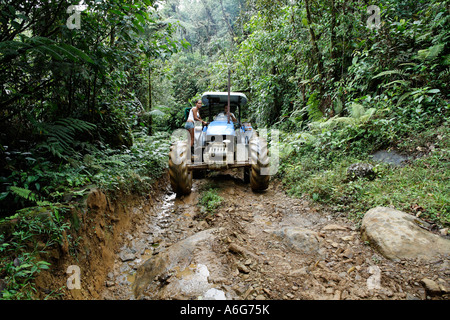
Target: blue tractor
{"points": [[225, 143]]}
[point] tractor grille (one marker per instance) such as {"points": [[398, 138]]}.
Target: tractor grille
{"points": [[218, 150]]}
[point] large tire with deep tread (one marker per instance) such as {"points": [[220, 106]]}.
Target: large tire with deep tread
{"points": [[180, 176], [259, 159]]}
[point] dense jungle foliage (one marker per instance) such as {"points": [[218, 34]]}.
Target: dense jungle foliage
{"points": [[96, 104]]}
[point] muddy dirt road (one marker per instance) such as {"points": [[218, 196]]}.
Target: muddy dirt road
{"points": [[261, 246]]}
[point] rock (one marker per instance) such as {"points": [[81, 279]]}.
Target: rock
{"points": [[337, 295], [373, 282], [334, 244], [360, 170], [249, 291], [431, 287], [109, 283], [139, 246], [348, 253], [242, 268], [334, 227], [300, 239], [443, 285], [214, 294], [397, 235], [411, 297], [126, 255], [299, 272], [190, 261], [237, 249]]}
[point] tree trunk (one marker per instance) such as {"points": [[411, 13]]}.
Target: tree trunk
{"points": [[230, 29], [333, 30], [210, 18], [150, 100], [317, 55]]}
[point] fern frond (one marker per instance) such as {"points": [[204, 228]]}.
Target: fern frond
{"points": [[357, 110], [367, 115], [332, 123], [390, 72], [29, 195], [61, 134], [312, 107], [444, 74], [402, 82], [431, 52], [403, 97], [64, 135], [156, 112], [21, 192], [77, 124], [446, 61], [359, 115]]}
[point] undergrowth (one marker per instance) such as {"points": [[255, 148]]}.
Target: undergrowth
{"points": [[314, 164], [209, 199], [37, 199]]}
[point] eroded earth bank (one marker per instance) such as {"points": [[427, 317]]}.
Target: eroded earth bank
{"points": [[262, 246]]}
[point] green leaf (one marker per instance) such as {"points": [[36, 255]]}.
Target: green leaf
{"points": [[77, 52], [140, 18], [118, 12], [3, 195], [47, 50], [390, 72], [138, 26]]}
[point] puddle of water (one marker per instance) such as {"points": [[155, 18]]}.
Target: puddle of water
{"points": [[390, 157], [164, 214], [187, 272], [131, 277]]}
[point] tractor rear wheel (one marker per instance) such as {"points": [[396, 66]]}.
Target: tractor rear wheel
{"points": [[180, 176], [259, 172]]}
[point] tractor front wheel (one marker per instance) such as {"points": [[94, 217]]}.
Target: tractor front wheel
{"points": [[259, 172]]}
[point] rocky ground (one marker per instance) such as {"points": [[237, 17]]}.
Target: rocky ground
{"points": [[260, 246]]}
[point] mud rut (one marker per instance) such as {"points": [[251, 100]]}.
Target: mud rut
{"points": [[261, 265]]}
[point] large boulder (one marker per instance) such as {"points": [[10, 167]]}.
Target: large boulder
{"points": [[398, 235], [186, 270]]}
